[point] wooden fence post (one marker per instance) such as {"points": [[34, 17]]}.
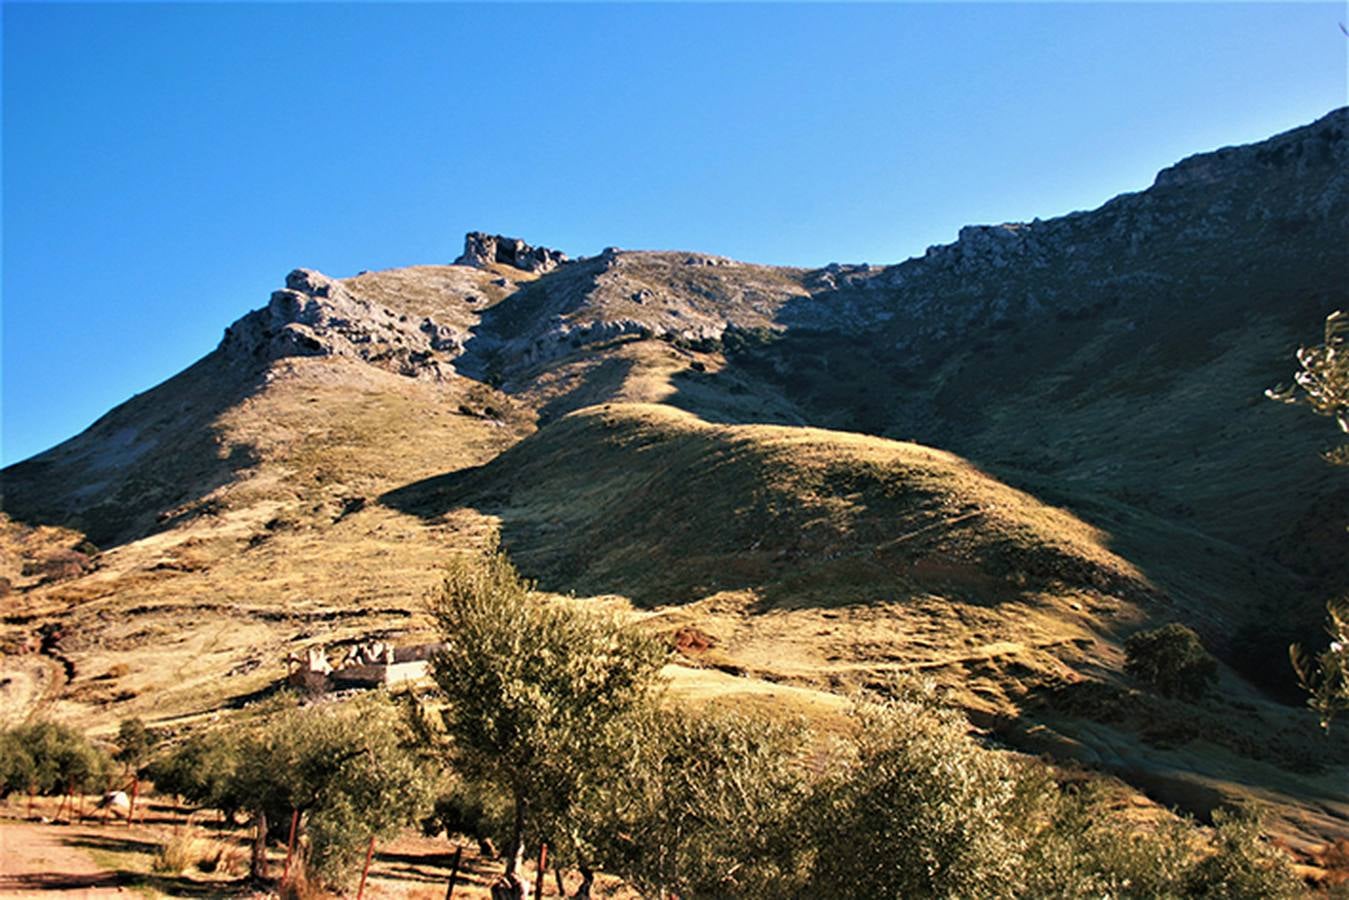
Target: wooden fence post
{"points": [[290, 843], [135, 792], [66, 800], [454, 872], [369, 855]]}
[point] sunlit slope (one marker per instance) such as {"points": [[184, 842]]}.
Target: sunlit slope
{"points": [[289, 551]]}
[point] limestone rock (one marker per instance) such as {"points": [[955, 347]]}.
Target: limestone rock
{"points": [[481, 250], [315, 315]]}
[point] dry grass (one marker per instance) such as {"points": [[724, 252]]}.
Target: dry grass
{"points": [[190, 851]]}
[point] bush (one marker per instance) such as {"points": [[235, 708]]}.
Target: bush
{"points": [[1242, 865], [1172, 661], [190, 850], [1079, 847], [49, 758]]}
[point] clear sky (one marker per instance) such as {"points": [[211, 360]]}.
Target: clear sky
{"points": [[165, 165]]}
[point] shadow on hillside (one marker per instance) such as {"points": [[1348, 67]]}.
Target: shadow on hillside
{"points": [[1141, 413], [598, 384], [145, 466], [668, 520]]}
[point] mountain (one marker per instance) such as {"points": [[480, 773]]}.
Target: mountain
{"points": [[988, 465]]}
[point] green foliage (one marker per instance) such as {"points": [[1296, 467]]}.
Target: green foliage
{"points": [[714, 807], [1171, 660], [468, 808], [50, 758], [1326, 678], [1322, 384], [737, 340], [1078, 847], [1242, 865], [203, 769], [539, 696], [920, 811], [134, 742], [350, 769]]}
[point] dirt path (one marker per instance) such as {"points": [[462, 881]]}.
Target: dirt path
{"points": [[35, 861]]}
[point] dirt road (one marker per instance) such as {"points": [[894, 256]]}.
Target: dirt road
{"points": [[36, 860]]}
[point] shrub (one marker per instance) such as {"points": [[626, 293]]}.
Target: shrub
{"points": [[1171, 660], [1079, 847], [190, 850], [1242, 865]]}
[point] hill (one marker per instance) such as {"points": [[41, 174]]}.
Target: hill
{"points": [[989, 465]]}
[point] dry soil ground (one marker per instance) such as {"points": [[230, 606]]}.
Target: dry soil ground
{"points": [[90, 857]]}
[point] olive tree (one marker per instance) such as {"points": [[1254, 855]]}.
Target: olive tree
{"points": [[48, 757], [541, 697], [1322, 385], [717, 806], [1172, 660], [921, 810], [1325, 677], [350, 770], [1322, 382]]}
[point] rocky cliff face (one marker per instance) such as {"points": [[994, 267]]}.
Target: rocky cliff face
{"points": [[318, 316], [1204, 224]]}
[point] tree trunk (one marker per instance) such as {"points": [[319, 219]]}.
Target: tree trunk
{"points": [[517, 845], [258, 868], [587, 879]]}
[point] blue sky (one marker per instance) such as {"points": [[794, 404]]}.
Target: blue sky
{"points": [[165, 165]]}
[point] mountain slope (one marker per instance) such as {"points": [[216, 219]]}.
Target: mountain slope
{"points": [[747, 458]]}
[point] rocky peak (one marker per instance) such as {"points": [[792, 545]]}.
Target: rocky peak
{"points": [[482, 250]]}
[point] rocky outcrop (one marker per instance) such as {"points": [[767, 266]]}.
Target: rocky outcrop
{"points": [[318, 316], [1201, 226], [481, 250]]}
